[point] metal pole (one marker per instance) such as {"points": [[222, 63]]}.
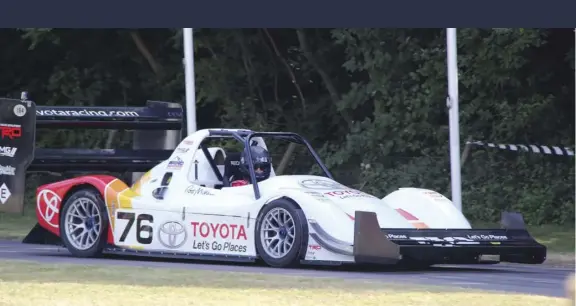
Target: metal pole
{"points": [[189, 75], [452, 103]]}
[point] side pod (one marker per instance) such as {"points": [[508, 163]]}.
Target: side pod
{"points": [[39, 235]]}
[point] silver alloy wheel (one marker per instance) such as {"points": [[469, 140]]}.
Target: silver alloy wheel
{"points": [[82, 223], [277, 232]]}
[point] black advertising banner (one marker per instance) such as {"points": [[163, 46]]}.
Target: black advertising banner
{"points": [[17, 144]]}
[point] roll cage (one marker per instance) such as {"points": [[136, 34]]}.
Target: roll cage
{"points": [[245, 138], [20, 119]]}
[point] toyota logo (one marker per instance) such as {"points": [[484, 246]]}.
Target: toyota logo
{"points": [[172, 234], [51, 201], [321, 184]]}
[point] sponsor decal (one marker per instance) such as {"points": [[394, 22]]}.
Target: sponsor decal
{"points": [[19, 110], [468, 239], [175, 164], [7, 170], [444, 240], [318, 196], [435, 195], [188, 142], [260, 159], [47, 202], [487, 237], [174, 114], [172, 234], [8, 151], [215, 233], [182, 150], [4, 193], [235, 162], [314, 247], [349, 193], [85, 113], [219, 230], [321, 184], [197, 190], [395, 236], [11, 131]]}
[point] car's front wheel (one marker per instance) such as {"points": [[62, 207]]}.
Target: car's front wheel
{"points": [[281, 234], [84, 223]]}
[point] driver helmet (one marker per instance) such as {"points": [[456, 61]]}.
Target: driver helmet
{"points": [[261, 161]]}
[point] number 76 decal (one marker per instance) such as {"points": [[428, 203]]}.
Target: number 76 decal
{"points": [[140, 228]]}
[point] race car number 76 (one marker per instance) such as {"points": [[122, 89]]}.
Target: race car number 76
{"points": [[140, 228]]}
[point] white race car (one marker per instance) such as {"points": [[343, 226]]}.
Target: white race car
{"points": [[185, 207]]}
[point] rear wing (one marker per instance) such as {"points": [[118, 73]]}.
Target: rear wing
{"points": [[156, 115], [20, 119]]}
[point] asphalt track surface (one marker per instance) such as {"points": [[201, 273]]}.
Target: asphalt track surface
{"points": [[528, 279]]}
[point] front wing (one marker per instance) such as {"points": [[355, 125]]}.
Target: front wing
{"points": [[374, 245]]}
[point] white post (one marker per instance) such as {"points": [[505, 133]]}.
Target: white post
{"points": [[189, 75], [452, 102]]}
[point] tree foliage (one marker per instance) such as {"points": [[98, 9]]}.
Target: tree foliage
{"points": [[373, 101]]}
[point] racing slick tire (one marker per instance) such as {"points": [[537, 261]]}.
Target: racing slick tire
{"points": [[84, 223], [281, 234]]}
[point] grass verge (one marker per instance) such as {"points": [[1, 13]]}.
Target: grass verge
{"points": [[15, 226], [28, 283]]}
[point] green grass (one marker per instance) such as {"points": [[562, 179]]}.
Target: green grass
{"points": [[16, 226], [29, 283]]}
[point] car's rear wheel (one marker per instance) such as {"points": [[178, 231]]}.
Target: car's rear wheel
{"points": [[281, 234], [84, 223]]}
